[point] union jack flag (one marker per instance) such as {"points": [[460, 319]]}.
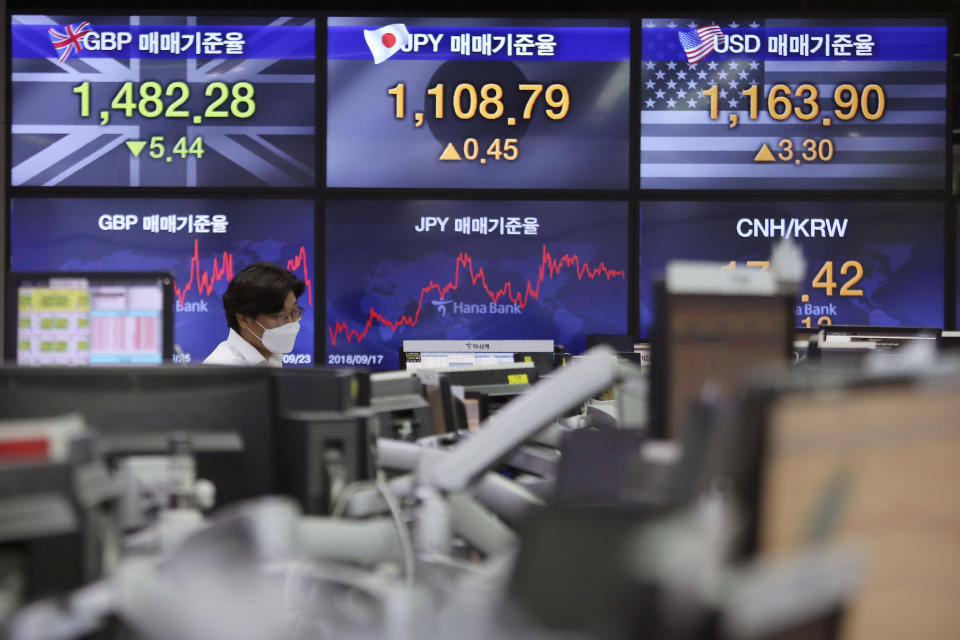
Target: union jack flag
{"points": [[69, 42], [700, 42], [63, 148]]}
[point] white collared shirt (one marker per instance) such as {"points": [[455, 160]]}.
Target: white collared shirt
{"points": [[237, 351]]}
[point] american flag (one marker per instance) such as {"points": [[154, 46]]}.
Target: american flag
{"points": [[682, 148], [698, 43], [69, 42]]}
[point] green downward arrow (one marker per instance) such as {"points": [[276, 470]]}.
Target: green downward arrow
{"points": [[136, 146]]}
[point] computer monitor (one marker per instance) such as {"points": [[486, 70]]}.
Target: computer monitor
{"points": [[846, 346], [446, 412], [57, 506], [398, 397], [627, 347], [620, 342], [585, 545], [439, 354], [639, 354], [448, 416], [594, 465], [89, 318], [483, 400], [950, 340], [886, 338], [228, 413], [870, 463], [320, 453], [712, 327], [320, 389], [515, 373]]}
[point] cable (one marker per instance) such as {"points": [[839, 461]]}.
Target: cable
{"points": [[349, 491], [405, 542], [336, 471]]}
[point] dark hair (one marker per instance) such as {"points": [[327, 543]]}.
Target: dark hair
{"points": [[261, 287]]}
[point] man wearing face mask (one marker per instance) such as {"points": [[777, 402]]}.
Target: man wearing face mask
{"points": [[261, 308]]}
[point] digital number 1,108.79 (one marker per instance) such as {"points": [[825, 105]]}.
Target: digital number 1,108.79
{"points": [[487, 101]]}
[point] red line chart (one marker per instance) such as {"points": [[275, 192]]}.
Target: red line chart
{"points": [[549, 268], [296, 263], [222, 269]]}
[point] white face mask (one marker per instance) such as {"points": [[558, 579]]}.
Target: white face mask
{"points": [[279, 339]]}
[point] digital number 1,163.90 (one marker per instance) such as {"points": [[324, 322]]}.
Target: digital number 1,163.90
{"points": [[871, 101]]}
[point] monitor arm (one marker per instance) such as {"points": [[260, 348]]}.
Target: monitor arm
{"points": [[523, 417]]}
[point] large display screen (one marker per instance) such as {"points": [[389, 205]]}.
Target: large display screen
{"points": [[166, 101], [482, 103], [462, 270], [868, 263], [793, 103], [203, 243]]}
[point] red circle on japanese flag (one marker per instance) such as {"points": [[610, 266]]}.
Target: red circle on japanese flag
{"points": [[388, 40]]}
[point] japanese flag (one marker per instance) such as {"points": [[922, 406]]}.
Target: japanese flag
{"points": [[386, 41]]}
